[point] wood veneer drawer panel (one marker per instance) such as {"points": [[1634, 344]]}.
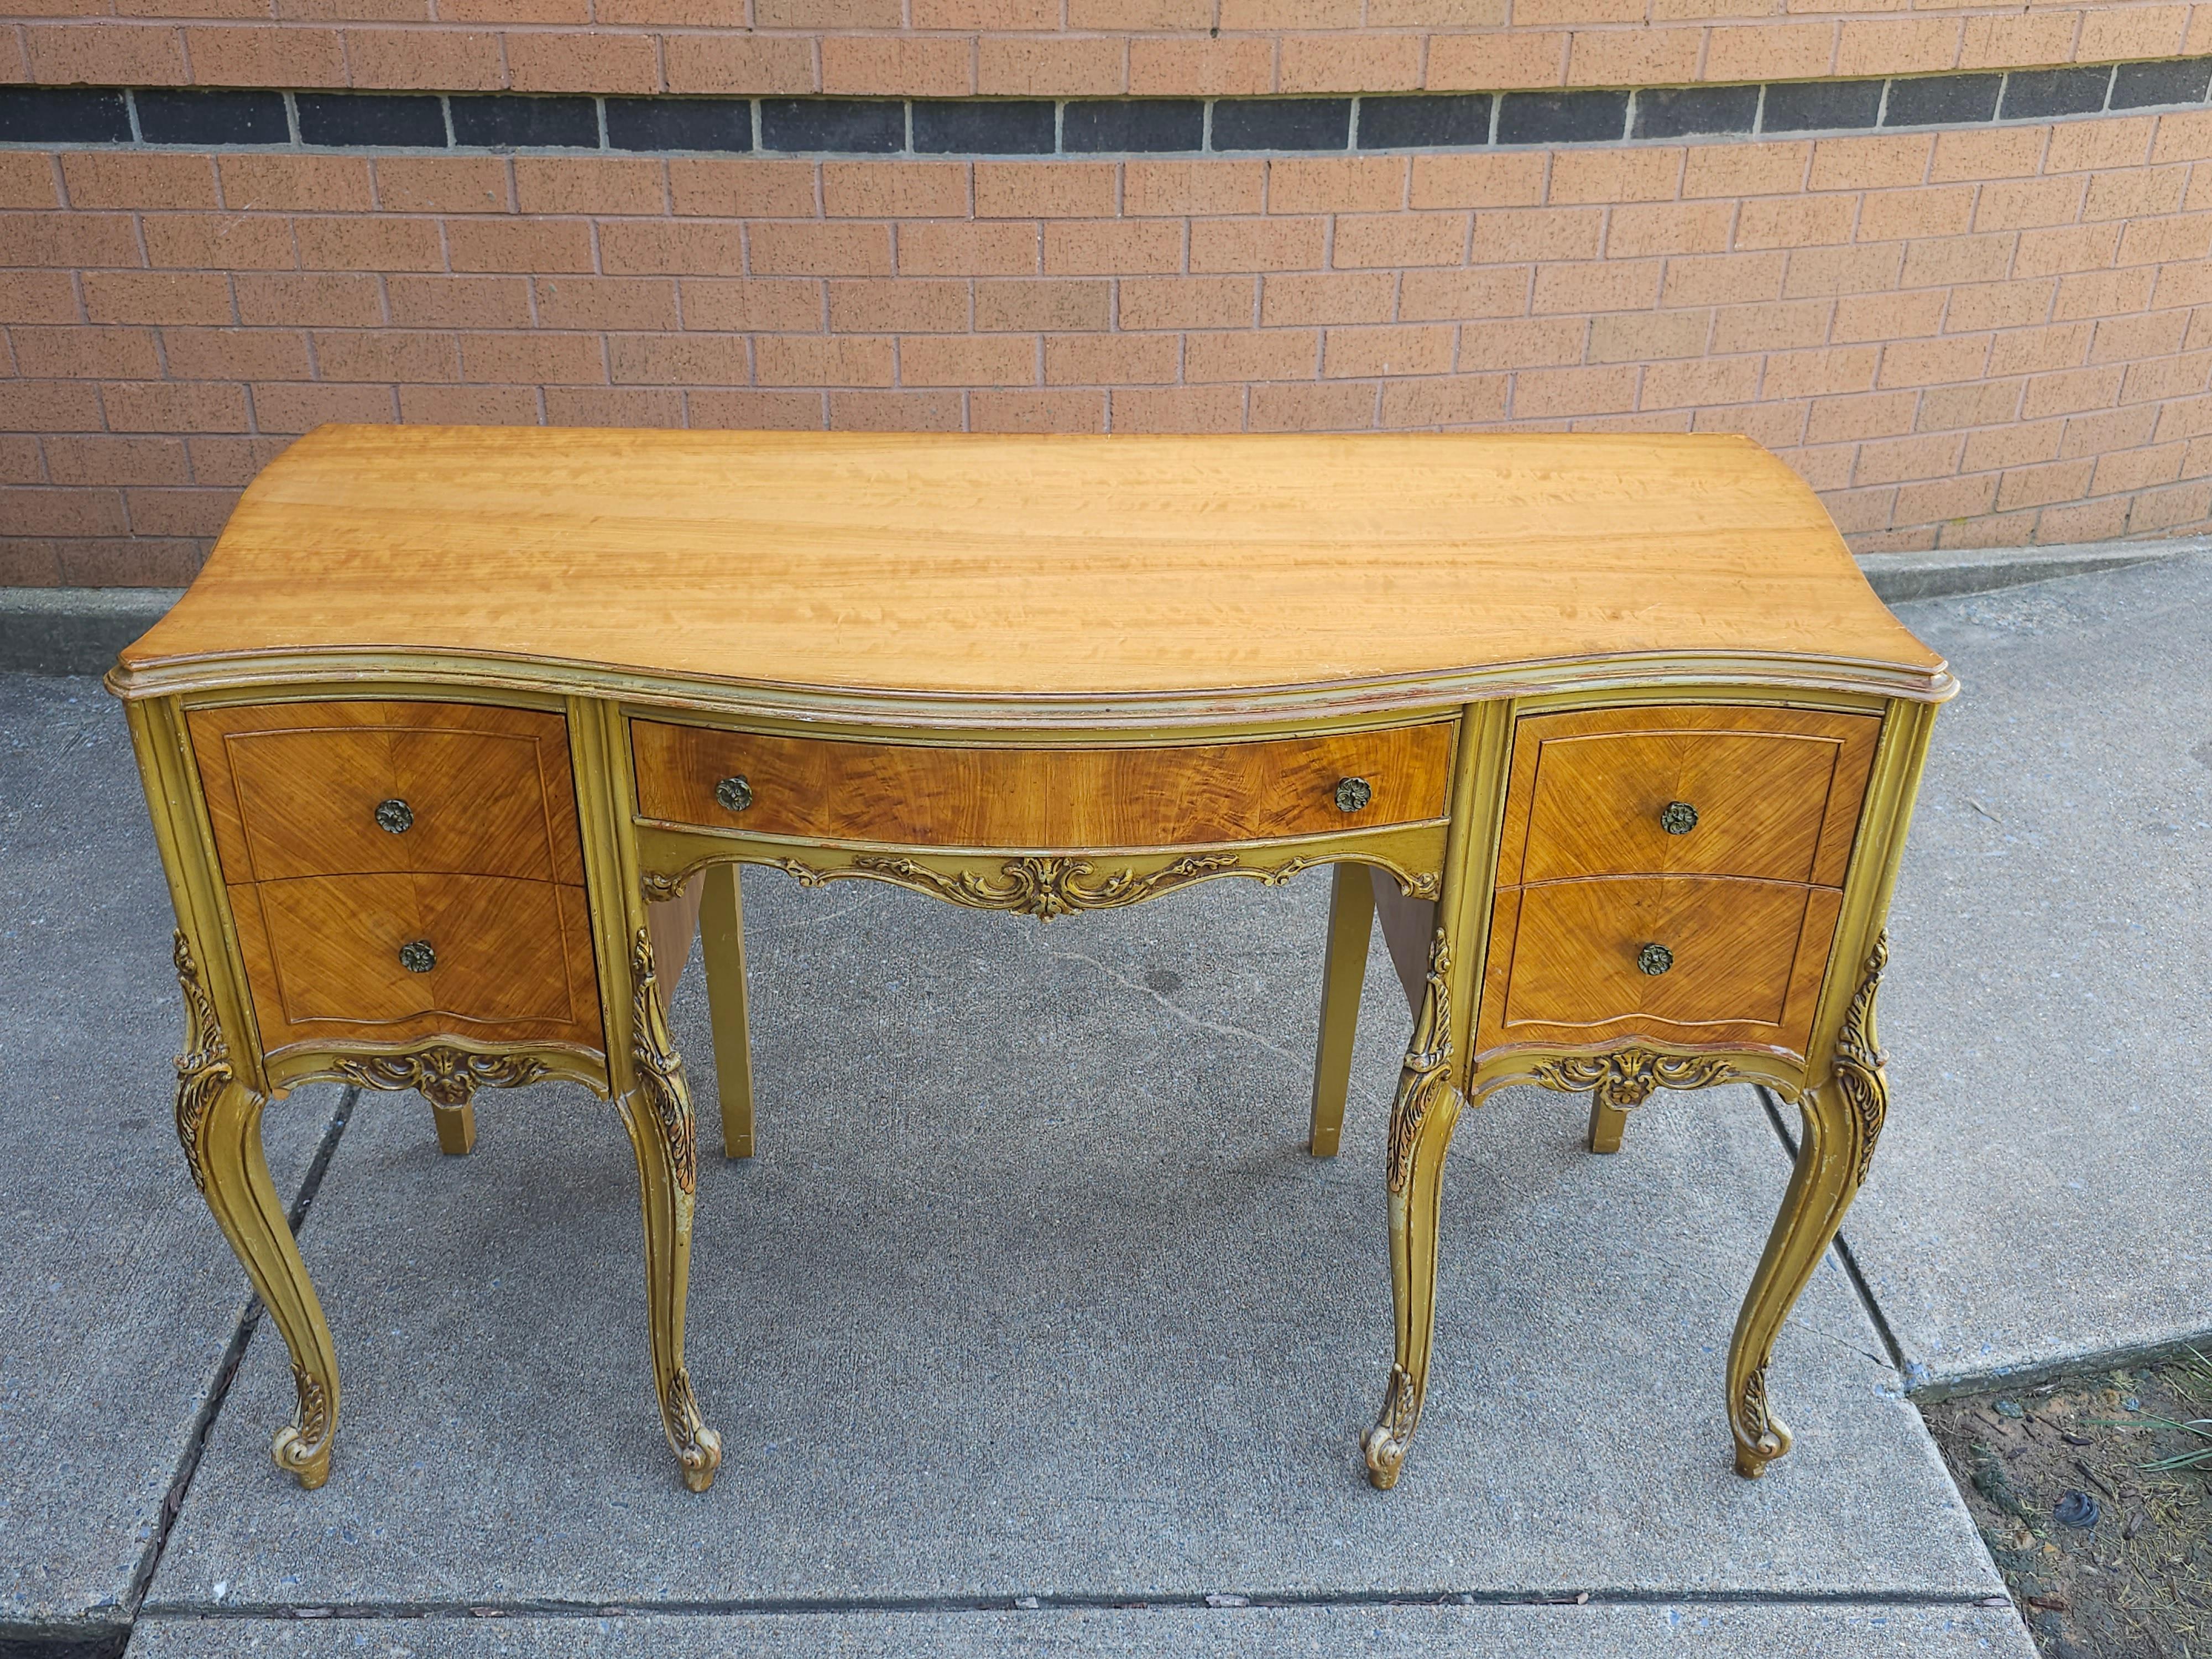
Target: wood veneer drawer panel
{"points": [[1742, 961], [294, 789], [912, 795], [1773, 793], [510, 960]]}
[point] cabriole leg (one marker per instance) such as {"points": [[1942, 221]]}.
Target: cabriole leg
{"points": [[1842, 1120], [219, 1124], [1422, 1116], [722, 949], [1344, 969], [663, 1134]]}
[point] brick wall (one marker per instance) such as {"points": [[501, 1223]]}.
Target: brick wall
{"points": [[1972, 337]]}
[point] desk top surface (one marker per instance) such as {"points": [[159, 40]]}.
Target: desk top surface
{"points": [[1031, 570]]}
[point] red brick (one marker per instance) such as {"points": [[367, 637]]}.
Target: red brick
{"points": [[1368, 297], [37, 296], [1597, 285], [2158, 334], [302, 408], [1649, 337], [1724, 279], [1350, 353], [365, 242], [678, 359], [639, 248], [895, 67], [738, 189], [106, 55], [1599, 176], [1771, 326], [452, 60], [533, 358], [603, 61], [1247, 354], [1478, 181], [2084, 146], [1255, 244], [1200, 69], [2102, 293], [287, 56], [313, 184], [1539, 393], [1897, 461], [110, 461], [898, 411], [1688, 384], [895, 190], [69, 240], [976, 360], [135, 179], [1636, 232], [1112, 247], [624, 302], [1444, 401], [2018, 443], [813, 250], [2039, 486], [1769, 168], [2136, 192], [469, 406], [1436, 295], [1180, 187], [1797, 222], [2069, 247], [1975, 153], [1180, 409], [563, 185], [968, 250], [1529, 344], [2070, 392], [1815, 373], [1765, 50], [1091, 67], [1188, 302], [66, 513], [310, 301], [1037, 411], [1478, 62], [425, 184], [600, 405], [77, 352], [823, 360], [2011, 42], [1331, 406], [393, 355], [28, 181], [898, 306], [1039, 306], [1897, 46], [754, 410], [1509, 233], [245, 353], [1111, 359], [1367, 61], [1866, 415], [795, 306], [1946, 260], [182, 511], [1045, 190], [174, 406], [233, 241], [130, 296], [1843, 270], [727, 63], [1924, 210]]}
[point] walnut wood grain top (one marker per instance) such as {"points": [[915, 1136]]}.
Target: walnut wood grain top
{"points": [[1021, 568]]}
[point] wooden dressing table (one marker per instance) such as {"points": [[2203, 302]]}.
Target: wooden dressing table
{"points": [[462, 730]]}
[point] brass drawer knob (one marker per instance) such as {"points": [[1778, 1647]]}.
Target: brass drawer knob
{"points": [[418, 957], [1679, 818], [735, 794], [1353, 793], [1655, 959], [395, 815]]}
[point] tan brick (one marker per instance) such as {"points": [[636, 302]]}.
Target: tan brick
{"points": [[897, 67], [2136, 192], [973, 361], [1539, 393], [1938, 499], [2180, 238], [1514, 233], [585, 302], [1820, 373], [313, 184], [1884, 163], [1860, 417], [1367, 297], [1886, 216], [2085, 521], [1929, 362], [2086, 146], [1582, 176], [1200, 69], [1083, 67], [1668, 227], [1367, 62], [310, 301], [552, 245], [1536, 342], [1431, 295], [223, 242], [2107, 430], [1770, 51], [898, 306], [509, 12], [1688, 385], [1037, 411], [1796, 222], [1437, 13], [425, 184], [107, 54], [604, 60], [2070, 392], [898, 411], [1976, 152], [1366, 184], [402, 59], [1633, 58], [1180, 409], [287, 56], [1743, 169], [1873, 317], [1029, 16], [894, 189], [363, 242], [1352, 353], [1327, 406], [1896, 460], [1483, 63], [2101, 294], [2018, 203], [2068, 247], [1725, 278], [1112, 359], [791, 306], [678, 359], [1650, 336], [1860, 513], [816, 250], [1479, 181], [1444, 401], [1772, 326], [2158, 334], [1915, 45], [565, 184], [1247, 16], [799, 412], [1597, 285], [1150, 188], [381, 353], [2160, 379], [701, 188], [969, 250], [2138, 469], [1112, 247], [427, 302], [131, 296], [2162, 509], [2019, 40], [534, 358], [1843, 270], [1947, 259], [1043, 307], [2000, 305], [2039, 486], [1220, 245], [2038, 350], [1188, 302], [135, 179], [1045, 190], [728, 64]]}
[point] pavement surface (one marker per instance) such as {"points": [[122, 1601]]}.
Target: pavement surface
{"points": [[1033, 1294]]}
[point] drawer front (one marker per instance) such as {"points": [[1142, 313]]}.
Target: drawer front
{"points": [[329, 959], [1769, 793], [911, 795], [358, 788], [1570, 963]]}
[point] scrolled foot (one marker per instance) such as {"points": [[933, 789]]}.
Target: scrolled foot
{"points": [[698, 1448], [1386, 1444], [705, 1458], [302, 1447], [1761, 1436]]}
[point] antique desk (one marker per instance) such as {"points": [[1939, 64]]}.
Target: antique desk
{"points": [[461, 730]]}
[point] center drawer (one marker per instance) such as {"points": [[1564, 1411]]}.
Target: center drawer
{"points": [[908, 794]]}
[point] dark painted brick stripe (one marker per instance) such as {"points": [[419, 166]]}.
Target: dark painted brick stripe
{"points": [[247, 117]]}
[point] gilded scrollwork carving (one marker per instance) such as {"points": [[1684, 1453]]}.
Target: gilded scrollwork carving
{"points": [[1427, 1067], [697, 1447], [1626, 1076], [1386, 1444], [444, 1076], [660, 1069], [204, 1070], [1761, 1436], [1860, 1061], [303, 1448], [1046, 885]]}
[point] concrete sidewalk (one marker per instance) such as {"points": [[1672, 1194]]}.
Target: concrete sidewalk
{"points": [[1032, 1294]]}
